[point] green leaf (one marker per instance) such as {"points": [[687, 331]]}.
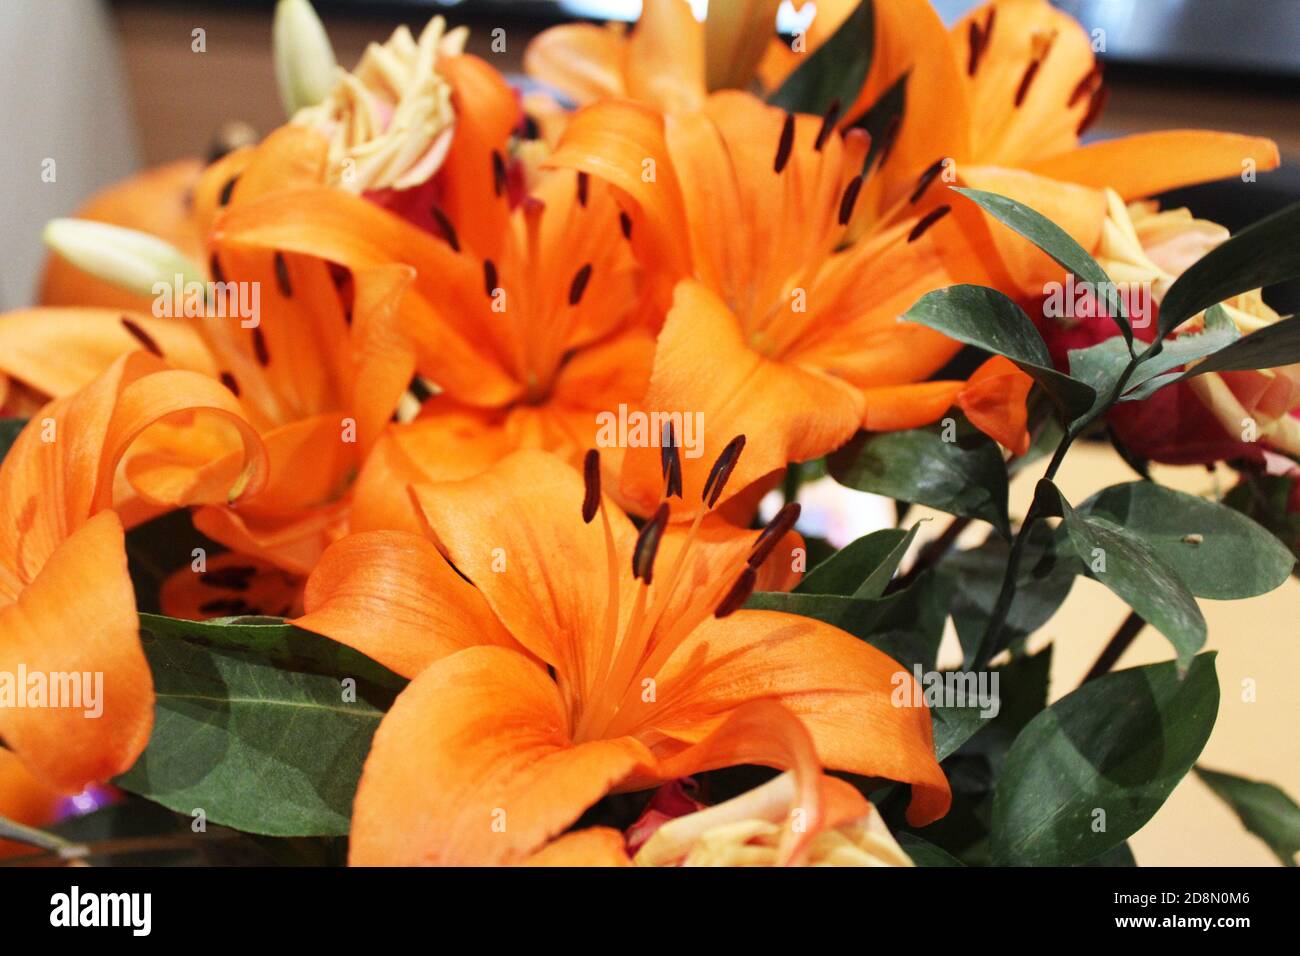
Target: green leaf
{"points": [[1101, 365], [1259, 256], [1121, 855], [9, 429], [1134, 571], [1155, 372], [1216, 551], [1271, 347], [989, 320], [1263, 809], [1046, 576], [954, 725], [252, 725], [966, 476], [1118, 745], [863, 568], [1053, 240], [836, 70], [1266, 499], [907, 624], [924, 853]]}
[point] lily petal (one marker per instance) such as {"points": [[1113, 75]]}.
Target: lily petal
{"points": [[704, 367], [839, 687], [473, 765], [428, 610], [77, 616], [57, 351], [581, 60], [1148, 163], [506, 531]]}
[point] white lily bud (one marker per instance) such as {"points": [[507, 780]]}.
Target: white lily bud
{"points": [[129, 259], [304, 59]]}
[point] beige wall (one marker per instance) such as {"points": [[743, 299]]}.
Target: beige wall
{"points": [[1257, 639]]}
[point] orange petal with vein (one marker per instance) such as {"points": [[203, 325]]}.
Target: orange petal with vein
{"points": [[474, 765], [428, 610]]}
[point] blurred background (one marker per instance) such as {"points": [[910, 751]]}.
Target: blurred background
{"points": [[105, 87], [131, 90]]}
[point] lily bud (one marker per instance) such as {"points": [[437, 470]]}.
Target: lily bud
{"points": [[304, 59], [131, 260]]}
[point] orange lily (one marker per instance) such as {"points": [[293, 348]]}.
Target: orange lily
{"points": [[997, 103], [318, 371], [66, 601], [774, 329], [321, 376], [556, 677], [1000, 103], [528, 328]]}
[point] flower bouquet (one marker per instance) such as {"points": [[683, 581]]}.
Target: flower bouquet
{"points": [[431, 481]]}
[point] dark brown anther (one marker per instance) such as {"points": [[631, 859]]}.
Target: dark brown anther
{"points": [[579, 284], [282, 276], [828, 124], [498, 173], [1022, 90], [927, 177], [584, 187], [928, 220], [670, 462], [647, 544], [785, 146], [772, 534], [237, 578], [214, 268], [849, 199], [721, 471], [591, 480], [489, 277], [739, 593], [1100, 97], [223, 197], [446, 228], [228, 380], [259, 347], [1086, 86], [625, 224], [975, 39], [141, 336], [889, 138]]}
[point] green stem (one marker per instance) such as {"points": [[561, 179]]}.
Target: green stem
{"points": [[990, 645], [932, 553], [13, 830], [1116, 646]]}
